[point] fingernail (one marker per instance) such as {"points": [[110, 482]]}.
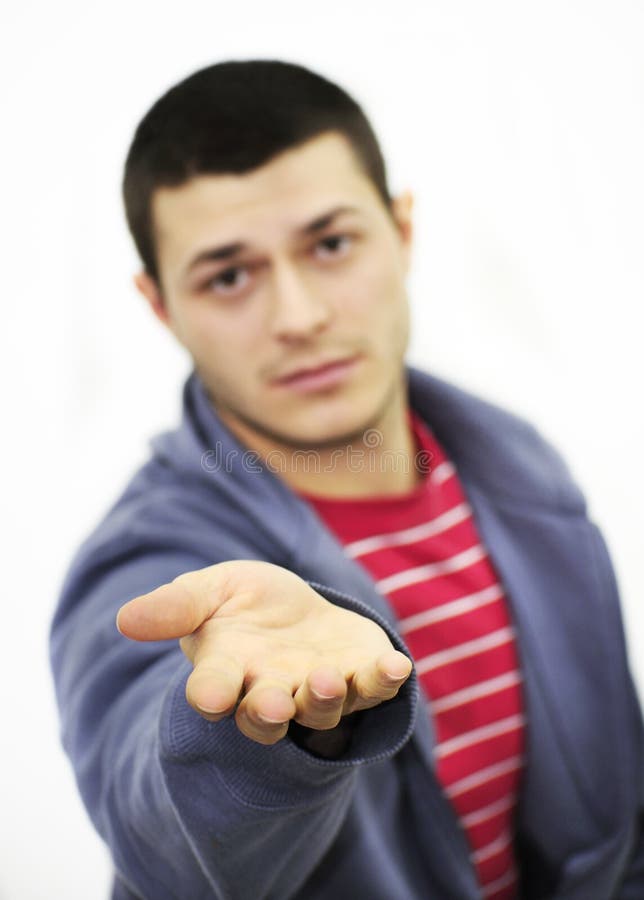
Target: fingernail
{"points": [[395, 677], [209, 711], [270, 721], [319, 696]]}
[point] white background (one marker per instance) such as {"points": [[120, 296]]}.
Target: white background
{"points": [[520, 128]]}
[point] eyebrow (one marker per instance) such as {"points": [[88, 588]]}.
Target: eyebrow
{"points": [[226, 251]]}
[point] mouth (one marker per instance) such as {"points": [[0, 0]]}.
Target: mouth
{"points": [[313, 378]]}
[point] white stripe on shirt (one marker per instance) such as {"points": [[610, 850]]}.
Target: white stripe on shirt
{"points": [[451, 608], [482, 776], [487, 812], [442, 472], [423, 573], [467, 648], [492, 849], [482, 689], [441, 523], [478, 735], [499, 883]]}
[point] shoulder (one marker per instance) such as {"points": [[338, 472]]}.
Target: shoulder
{"points": [[494, 446]]}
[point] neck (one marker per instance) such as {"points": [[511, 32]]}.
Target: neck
{"points": [[380, 461]]}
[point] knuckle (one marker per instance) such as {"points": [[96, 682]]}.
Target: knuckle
{"points": [[388, 687], [243, 723], [318, 712], [188, 646], [372, 695], [261, 733], [390, 691], [319, 721], [378, 690]]}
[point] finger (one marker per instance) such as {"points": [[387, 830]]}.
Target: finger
{"points": [[265, 733], [379, 681], [264, 713], [320, 699], [175, 609], [215, 684]]}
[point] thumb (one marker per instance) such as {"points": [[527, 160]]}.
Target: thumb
{"points": [[173, 610]]}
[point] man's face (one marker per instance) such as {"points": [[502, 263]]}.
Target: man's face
{"points": [[287, 287]]}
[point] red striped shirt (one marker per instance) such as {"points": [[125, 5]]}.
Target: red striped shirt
{"points": [[425, 555]]}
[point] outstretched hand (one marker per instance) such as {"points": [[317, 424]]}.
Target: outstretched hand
{"points": [[268, 648]]}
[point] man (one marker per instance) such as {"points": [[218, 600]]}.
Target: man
{"points": [[255, 730]]}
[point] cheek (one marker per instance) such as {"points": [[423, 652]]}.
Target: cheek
{"points": [[377, 292], [224, 336]]}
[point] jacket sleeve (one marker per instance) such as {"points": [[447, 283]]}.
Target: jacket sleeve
{"points": [[191, 808]]}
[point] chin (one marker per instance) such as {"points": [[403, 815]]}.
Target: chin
{"points": [[332, 430]]}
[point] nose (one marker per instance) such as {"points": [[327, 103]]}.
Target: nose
{"points": [[299, 311]]}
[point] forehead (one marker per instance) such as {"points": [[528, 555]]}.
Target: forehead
{"points": [[277, 196]]}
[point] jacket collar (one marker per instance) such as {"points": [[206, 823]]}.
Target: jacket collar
{"points": [[504, 454]]}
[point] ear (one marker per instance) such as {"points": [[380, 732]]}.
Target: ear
{"points": [[148, 287], [401, 207]]}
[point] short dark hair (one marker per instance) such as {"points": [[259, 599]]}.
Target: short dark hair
{"points": [[233, 117]]}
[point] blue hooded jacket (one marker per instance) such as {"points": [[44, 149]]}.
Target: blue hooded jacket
{"points": [[192, 809]]}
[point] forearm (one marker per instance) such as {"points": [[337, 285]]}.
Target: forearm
{"points": [[188, 806], [192, 808], [272, 810]]}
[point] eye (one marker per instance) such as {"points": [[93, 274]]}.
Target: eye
{"points": [[229, 281], [333, 246]]}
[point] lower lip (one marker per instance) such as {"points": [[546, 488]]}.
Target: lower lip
{"points": [[320, 379]]}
